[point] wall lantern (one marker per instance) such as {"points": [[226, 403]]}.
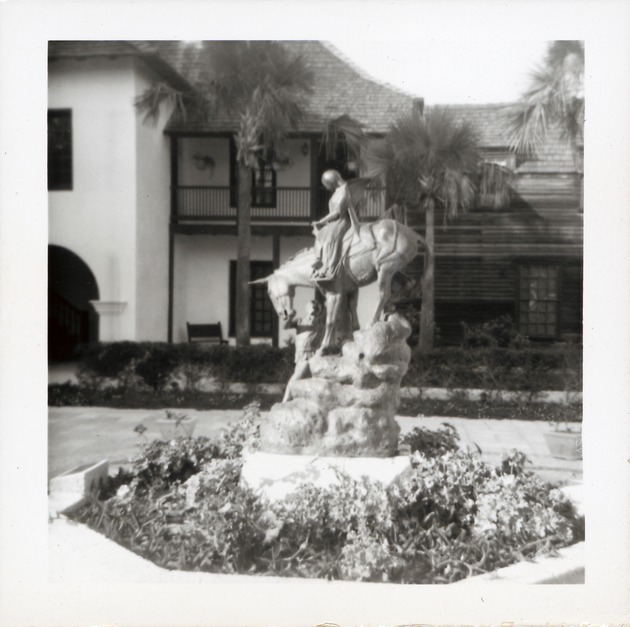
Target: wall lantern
{"points": [[305, 148], [204, 162]]}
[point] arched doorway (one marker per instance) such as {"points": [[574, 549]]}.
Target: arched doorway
{"points": [[71, 319]]}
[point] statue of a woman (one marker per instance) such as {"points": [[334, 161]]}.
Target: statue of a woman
{"points": [[330, 230]]}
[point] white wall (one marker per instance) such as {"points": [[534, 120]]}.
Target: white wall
{"points": [[152, 220], [202, 280], [116, 216], [216, 147], [96, 219], [202, 273], [299, 172]]}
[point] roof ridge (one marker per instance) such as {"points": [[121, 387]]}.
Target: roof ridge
{"points": [[363, 73]]}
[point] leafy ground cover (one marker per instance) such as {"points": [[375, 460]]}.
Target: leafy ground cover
{"points": [[182, 506]]}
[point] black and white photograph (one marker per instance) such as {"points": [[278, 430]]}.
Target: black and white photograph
{"points": [[318, 320]]}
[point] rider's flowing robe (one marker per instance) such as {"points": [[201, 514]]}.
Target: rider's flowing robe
{"points": [[329, 241]]}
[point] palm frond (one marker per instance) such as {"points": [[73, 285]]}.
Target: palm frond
{"points": [[456, 192], [496, 181], [555, 99], [151, 100], [431, 156], [259, 82], [347, 132]]}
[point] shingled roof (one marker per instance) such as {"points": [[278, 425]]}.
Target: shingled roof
{"points": [[83, 49], [491, 122], [338, 88]]}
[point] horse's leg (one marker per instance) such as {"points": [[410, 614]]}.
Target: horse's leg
{"points": [[332, 311], [353, 300], [384, 281]]}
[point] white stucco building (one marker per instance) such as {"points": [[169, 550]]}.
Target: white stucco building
{"points": [[143, 215]]}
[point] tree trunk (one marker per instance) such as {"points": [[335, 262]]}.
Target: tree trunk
{"points": [[244, 245], [427, 310]]}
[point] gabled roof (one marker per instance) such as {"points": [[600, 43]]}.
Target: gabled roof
{"points": [[58, 50], [338, 88]]}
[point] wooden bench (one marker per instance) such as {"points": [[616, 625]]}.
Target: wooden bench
{"points": [[205, 333]]}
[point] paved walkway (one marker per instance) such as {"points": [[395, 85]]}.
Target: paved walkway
{"points": [[80, 435]]}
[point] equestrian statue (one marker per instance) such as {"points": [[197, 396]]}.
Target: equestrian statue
{"points": [[347, 256]]}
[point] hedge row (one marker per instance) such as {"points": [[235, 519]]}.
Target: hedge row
{"points": [[183, 366], [528, 369], [158, 365]]}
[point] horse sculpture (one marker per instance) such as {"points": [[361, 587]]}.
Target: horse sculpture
{"points": [[376, 253]]}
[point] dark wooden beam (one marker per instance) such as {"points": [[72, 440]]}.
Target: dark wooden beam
{"points": [[171, 275], [171, 236], [314, 178]]}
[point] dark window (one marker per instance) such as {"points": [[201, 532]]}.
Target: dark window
{"points": [[263, 185], [261, 315], [538, 301], [60, 149]]}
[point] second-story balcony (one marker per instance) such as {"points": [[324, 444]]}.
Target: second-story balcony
{"points": [[278, 205]]}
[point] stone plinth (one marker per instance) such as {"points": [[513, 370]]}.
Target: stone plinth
{"points": [[348, 406], [275, 477]]}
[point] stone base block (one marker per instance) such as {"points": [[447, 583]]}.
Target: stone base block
{"points": [[79, 480], [68, 491], [275, 476]]}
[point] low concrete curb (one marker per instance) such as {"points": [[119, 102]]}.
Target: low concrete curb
{"points": [[68, 491], [568, 567]]}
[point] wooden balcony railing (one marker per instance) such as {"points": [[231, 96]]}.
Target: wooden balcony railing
{"points": [[292, 204]]}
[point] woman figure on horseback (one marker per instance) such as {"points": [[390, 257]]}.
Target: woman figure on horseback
{"points": [[330, 230]]}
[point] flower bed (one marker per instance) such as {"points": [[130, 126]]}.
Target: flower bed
{"points": [[453, 516]]}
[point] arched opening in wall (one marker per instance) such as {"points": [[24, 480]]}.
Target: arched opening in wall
{"points": [[72, 320]]}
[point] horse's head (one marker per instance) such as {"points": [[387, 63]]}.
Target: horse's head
{"points": [[281, 294]]}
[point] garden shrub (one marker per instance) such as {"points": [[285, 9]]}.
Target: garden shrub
{"points": [[481, 363], [432, 442], [530, 369], [161, 463], [499, 332], [452, 516], [105, 362], [157, 364], [156, 367]]}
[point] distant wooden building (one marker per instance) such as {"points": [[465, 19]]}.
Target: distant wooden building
{"points": [[523, 259]]}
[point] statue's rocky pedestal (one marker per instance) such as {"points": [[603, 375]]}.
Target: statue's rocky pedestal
{"points": [[342, 420]]}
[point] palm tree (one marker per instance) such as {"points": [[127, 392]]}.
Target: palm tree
{"points": [[554, 100], [431, 161], [264, 89]]}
